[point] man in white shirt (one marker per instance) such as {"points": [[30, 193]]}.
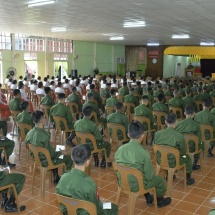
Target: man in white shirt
{"points": [[59, 88], [40, 90], [13, 86], [72, 82], [7, 79], [66, 85], [20, 79], [45, 82], [52, 85], [25, 82], [34, 86]]}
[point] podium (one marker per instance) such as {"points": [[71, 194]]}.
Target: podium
{"points": [[212, 76], [192, 73]]}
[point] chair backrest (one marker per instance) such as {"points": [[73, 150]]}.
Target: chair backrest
{"points": [[45, 109], [143, 119], [175, 110], [84, 137], [14, 114], [94, 101], [71, 105], [120, 98], [165, 151], [199, 105], [124, 172], [36, 150], [109, 109], [127, 106], [22, 126], [73, 204], [204, 128], [115, 127], [159, 115], [168, 98], [94, 116], [58, 120], [191, 137], [103, 99]]}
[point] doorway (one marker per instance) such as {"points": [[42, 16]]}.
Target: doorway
{"points": [[31, 68], [61, 69]]}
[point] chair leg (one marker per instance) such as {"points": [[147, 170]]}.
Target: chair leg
{"points": [[34, 170], [170, 180], [131, 204], [185, 177], [20, 146], [157, 170], [200, 154], [43, 180], [16, 198], [5, 157], [118, 195], [155, 201]]}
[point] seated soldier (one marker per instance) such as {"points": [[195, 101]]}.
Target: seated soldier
{"points": [[74, 97], [198, 97], [69, 184], [205, 94], [158, 91], [39, 137], [15, 103], [112, 100], [24, 116], [7, 178], [167, 91], [171, 137], [133, 154], [96, 96], [124, 91], [131, 98], [105, 92], [138, 88], [212, 93], [148, 92], [47, 99], [189, 126], [120, 118], [61, 110], [205, 117], [86, 125], [188, 99]]}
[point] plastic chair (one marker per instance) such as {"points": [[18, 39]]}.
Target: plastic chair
{"points": [[195, 139], [94, 116], [33, 97], [36, 150], [114, 137], [127, 108], [5, 155], [143, 119], [109, 110], [103, 99], [176, 110], [73, 204], [39, 98], [46, 110], [58, 120], [14, 114], [199, 105], [84, 137], [22, 136], [159, 115], [10, 94], [124, 186], [120, 98], [12, 186], [164, 164], [74, 113], [168, 98]]}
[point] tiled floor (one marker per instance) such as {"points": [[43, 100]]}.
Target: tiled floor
{"points": [[197, 199]]}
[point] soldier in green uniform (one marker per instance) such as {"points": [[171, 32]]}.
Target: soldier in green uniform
{"points": [[139, 89], [24, 116], [39, 137], [74, 97], [112, 100], [15, 103], [148, 92], [171, 137], [61, 110], [69, 184], [96, 96], [133, 154], [198, 97], [212, 93], [106, 91], [120, 118], [158, 91], [131, 98], [47, 99], [189, 126], [205, 117], [205, 94], [124, 91], [7, 178], [181, 90], [188, 99], [86, 125], [167, 91], [3, 126]]}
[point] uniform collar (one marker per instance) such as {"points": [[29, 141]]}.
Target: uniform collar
{"points": [[79, 172]]}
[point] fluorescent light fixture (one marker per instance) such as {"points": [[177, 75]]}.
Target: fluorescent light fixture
{"points": [[153, 44], [40, 3], [117, 38], [134, 24], [206, 44], [58, 29], [180, 36]]}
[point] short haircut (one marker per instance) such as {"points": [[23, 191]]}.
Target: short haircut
{"points": [[92, 86], [108, 84], [81, 153], [37, 115], [135, 129], [87, 111], [207, 102], [189, 109], [47, 90], [24, 105], [66, 81], [52, 82], [40, 84], [20, 85], [171, 118], [112, 91], [160, 97], [125, 84], [61, 96], [144, 97], [45, 79], [118, 105], [59, 84], [16, 92], [74, 89], [132, 90], [89, 95]]}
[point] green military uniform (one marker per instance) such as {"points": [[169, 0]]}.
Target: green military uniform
{"points": [[188, 100], [198, 97], [111, 101], [17, 179], [75, 98], [151, 98], [171, 137], [8, 145], [119, 118], [131, 99], [40, 137], [105, 93], [61, 110], [97, 97], [25, 117], [47, 100], [139, 90], [88, 126], [96, 109], [189, 126], [161, 107], [69, 185], [212, 93], [15, 104], [182, 93], [168, 93], [177, 102], [205, 117], [135, 155], [123, 91], [205, 96], [157, 92], [3, 126], [213, 111]]}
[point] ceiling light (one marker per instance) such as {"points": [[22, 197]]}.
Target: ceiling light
{"points": [[153, 44], [117, 38], [180, 36], [206, 44], [40, 3], [58, 29], [134, 24]]}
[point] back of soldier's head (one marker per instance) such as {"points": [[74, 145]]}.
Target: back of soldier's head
{"points": [[89, 96], [207, 103], [119, 105], [171, 118], [92, 86], [160, 97], [125, 84], [74, 89], [87, 111], [81, 154], [61, 96], [189, 110], [16, 92], [135, 130], [112, 92], [132, 90], [145, 98], [47, 90], [24, 105]]}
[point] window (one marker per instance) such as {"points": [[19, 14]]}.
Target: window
{"points": [[0, 55], [30, 56], [59, 45], [61, 57], [5, 41]]}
